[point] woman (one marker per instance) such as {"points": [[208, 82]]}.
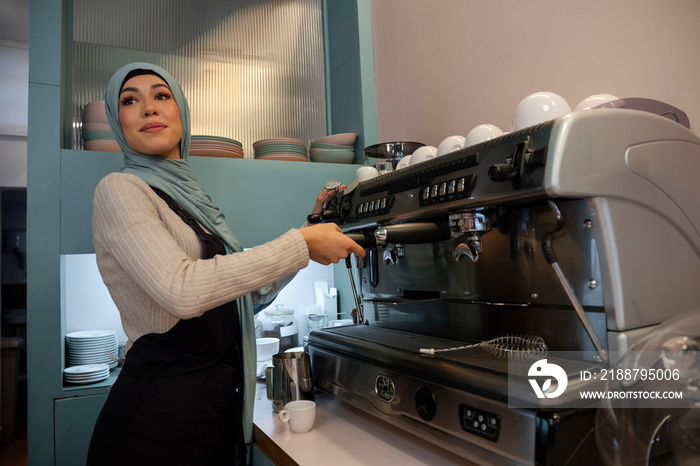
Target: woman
{"points": [[185, 289]]}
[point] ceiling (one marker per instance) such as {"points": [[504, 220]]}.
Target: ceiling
{"points": [[14, 20]]}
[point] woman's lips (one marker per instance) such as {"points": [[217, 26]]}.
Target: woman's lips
{"points": [[152, 127]]}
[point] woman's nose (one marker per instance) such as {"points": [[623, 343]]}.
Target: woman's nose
{"points": [[150, 109]]}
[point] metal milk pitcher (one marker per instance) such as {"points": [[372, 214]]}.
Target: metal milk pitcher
{"points": [[289, 379]]}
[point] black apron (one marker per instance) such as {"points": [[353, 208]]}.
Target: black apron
{"points": [[178, 399]]}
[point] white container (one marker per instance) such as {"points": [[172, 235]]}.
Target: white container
{"points": [[281, 323]]}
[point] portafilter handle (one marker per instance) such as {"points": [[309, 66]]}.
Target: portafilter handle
{"points": [[412, 233], [404, 233]]}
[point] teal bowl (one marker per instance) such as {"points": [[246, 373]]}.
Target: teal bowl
{"points": [[331, 156], [318, 145], [92, 135]]}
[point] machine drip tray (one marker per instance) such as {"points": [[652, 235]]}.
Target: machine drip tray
{"points": [[401, 351]]}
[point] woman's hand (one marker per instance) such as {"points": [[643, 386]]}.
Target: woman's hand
{"points": [[322, 196], [327, 244]]}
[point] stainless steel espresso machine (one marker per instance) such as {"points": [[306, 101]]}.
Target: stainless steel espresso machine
{"points": [[583, 231]]}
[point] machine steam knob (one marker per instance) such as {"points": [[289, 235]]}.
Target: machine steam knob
{"points": [[503, 172], [426, 404]]}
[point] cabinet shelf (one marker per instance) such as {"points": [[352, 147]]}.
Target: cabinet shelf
{"points": [[93, 388]]}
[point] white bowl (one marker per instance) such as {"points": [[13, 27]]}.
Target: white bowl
{"points": [[539, 107], [450, 144], [482, 133], [345, 139], [266, 348], [594, 101]]}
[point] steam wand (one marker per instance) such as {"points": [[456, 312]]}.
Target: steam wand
{"points": [[358, 304], [548, 249]]}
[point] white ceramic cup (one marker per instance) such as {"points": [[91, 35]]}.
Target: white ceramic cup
{"points": [[594, 100], [404, 162], [366, 173], [422, 154], [300, 415], [538, 108], [450, 144], [266, 348], [482, 133]]}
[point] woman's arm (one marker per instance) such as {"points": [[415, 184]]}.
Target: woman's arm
{"points": [[138, 234]]}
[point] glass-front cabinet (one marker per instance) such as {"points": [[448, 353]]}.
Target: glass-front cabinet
{"points": [[251, 70]]}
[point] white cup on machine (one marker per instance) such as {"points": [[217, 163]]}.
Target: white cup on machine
{"points": [[450, 144], [422, 154], [482, 133], [404, 162], [366, 173], [300, 415]]}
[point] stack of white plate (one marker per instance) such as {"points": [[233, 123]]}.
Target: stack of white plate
{"points": [[215, 146], [289, 149], [91, 347], [96, 132], [89, 373]]}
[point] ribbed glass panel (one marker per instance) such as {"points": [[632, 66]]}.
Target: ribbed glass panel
{"points": [[251, 69]]}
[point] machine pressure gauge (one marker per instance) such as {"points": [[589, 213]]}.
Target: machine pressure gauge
{"points": [[332, 185], [384, 388]]}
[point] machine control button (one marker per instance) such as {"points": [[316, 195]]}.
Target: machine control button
{"points": [[479, 422], [375, 207], [452, 187], [434, 191], [461, 185], [443, 189], [426, 192]]}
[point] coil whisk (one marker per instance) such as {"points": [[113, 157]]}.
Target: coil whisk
{"points": [[518, 346]]}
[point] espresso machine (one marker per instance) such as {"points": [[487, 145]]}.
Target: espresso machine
{"points": [[583, 231]]}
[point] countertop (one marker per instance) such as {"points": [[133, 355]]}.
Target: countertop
{"points": [[341, 435]]}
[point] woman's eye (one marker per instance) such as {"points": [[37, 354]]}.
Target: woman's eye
{"points": [[128, 100], [163, 96]]}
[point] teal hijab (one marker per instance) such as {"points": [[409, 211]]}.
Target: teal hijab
{"points": [[176, 179]]}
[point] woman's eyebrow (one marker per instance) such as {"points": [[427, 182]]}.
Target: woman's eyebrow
{"points": [[134, 89]]}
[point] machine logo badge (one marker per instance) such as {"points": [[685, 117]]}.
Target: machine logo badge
{"points": [[542, 368]]}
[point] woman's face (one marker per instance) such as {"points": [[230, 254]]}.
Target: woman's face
{"points": [[149, 116]]}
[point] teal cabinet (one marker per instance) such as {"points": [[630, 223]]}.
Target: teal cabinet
{"points": [[74, 420], [261, 198], [260, 459]]}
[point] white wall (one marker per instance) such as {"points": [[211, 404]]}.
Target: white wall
{"points": [[444, 67], [89, 306], [14, 88]]}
